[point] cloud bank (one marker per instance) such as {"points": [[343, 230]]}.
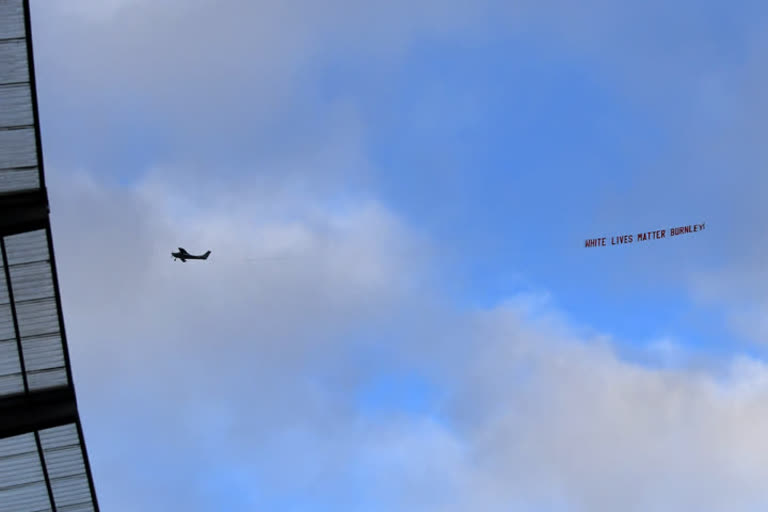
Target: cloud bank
{"points": [[245, 383], [240, 382]]}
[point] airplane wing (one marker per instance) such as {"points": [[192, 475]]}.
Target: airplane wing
{"points": [[182, 251]]}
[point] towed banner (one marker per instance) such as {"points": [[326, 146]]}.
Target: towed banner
{"points": [[644, 237]]}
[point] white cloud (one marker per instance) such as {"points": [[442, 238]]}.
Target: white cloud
{"points": [[250, 373], [736, 290], [224, 353], [318, 263], [542, 417]]}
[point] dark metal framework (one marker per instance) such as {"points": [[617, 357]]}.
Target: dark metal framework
{"points": [[44, 464]]}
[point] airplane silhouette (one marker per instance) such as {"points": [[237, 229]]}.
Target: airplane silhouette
{"points": [[183, 255]]}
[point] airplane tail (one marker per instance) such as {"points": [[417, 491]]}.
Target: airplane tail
{"points": [[205, 256]]}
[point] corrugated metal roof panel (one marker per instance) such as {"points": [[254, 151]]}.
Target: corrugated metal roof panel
{"points": [[59, 437], [27, 247], [15, 105], [11, 380], [11, 19], [82, 507], [36, 309], [9, 358], [29, 498], [6, 323], [71, 491], [47, 469], [18, 148], [37, 318], [12, 180], [32, 281], [17, 470], [23, 467], [17, 445], [42, 353], [22, 484], [11, 384], [66, 468], [65, 462], [44, 379], [13, 62], [3, 287]]}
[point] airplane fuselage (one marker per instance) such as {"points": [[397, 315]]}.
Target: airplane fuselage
{"points": [[184, 256]]}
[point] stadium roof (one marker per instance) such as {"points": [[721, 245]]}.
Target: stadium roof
{"points": [[43, 461]]}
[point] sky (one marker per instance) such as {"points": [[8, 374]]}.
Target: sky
{"points": [[399, 312]]}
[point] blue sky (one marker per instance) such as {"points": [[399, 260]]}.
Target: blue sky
{"points": [[399, 312]]}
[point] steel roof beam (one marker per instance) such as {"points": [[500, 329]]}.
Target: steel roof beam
{"points": [[37, 410]]}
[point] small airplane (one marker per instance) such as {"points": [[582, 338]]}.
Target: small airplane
{"points": [[183, 255]]}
